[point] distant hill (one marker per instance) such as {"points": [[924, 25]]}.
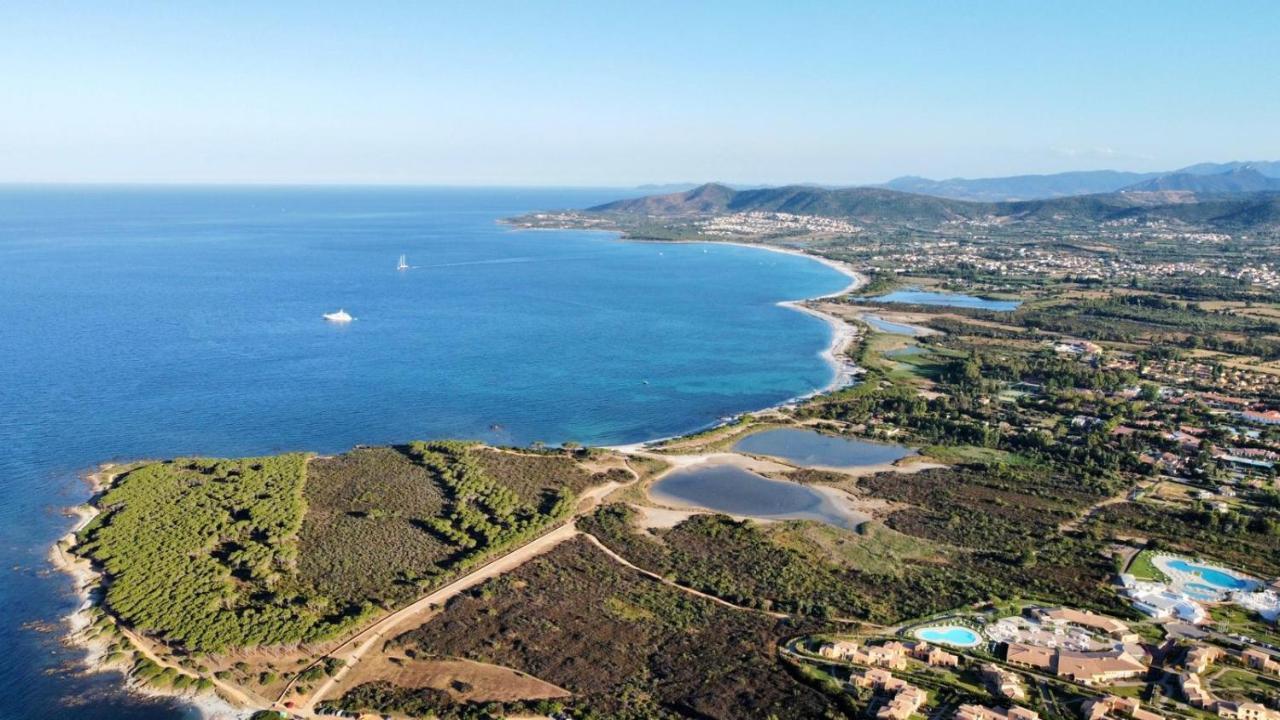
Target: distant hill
{"points": [[872, 204], [1240, 180], [1088, 182], [1269, 168], [1021, 187], [880, 206]]}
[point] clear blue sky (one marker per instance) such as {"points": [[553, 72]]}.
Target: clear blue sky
{"points": [[611, 93]]}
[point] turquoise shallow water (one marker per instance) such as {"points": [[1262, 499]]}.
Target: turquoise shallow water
{"points": [[949, 635], [1214, 577], [143, 322]]}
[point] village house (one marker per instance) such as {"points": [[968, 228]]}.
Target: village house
{"points": [[1268, 417], [905, 699], [1200, 657], [891, 655], [1113, 706], [934, 656], [1246, 711], [980, 712], [1194, 691], [1259, 660], [1002, 682]]}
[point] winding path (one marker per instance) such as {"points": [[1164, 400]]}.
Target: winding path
{"points": [[419, 611]]}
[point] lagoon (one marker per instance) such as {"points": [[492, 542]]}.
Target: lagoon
{"points": [[815, 449], [893, 328], [735, 491], [915, 296]]}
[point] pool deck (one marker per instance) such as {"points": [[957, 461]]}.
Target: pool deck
{"points": [[1194, 584]]}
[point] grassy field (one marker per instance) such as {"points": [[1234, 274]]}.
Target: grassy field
{"points": [[1241, 685], [963, 454], [1143, 567], [876, 549]]}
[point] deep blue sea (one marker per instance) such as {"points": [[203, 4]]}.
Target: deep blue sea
{"points": [[153, 322]]}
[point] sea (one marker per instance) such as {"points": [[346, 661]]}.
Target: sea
{"points": [[153, 322]]}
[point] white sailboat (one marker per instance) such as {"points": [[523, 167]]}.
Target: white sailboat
{"points": [[403, 264], [342, 316]]}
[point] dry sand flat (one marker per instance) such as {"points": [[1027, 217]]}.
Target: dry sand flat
{"points": [[466, 680]]}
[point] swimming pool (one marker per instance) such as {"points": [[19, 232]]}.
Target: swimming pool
{"points": [[953, 635], [1198, 591], [1217, 578]]}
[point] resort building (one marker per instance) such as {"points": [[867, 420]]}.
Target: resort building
{"points": [[1004, 683], [1086, 668], [1246, 711], [1112, 706], [1200, 657], [934, 656], [1085, 619], [980, 712], [1161, 603], [1098, 668], [905, 699], [1196, 694], [1259, 660], [891, 655], [1032, 656]]}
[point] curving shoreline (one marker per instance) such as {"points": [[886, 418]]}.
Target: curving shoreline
{"points": [[85, 577]]}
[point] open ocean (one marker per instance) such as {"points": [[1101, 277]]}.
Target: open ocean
{"points": [[153, 322]]}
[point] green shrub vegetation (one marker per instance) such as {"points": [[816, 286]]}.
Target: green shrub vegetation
{"points": [[201, 553], [757, 567], [670, 655], [211, 554]]}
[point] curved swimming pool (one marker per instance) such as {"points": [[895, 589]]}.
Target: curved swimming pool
{"points": [[953, 635], [1218, 578]]}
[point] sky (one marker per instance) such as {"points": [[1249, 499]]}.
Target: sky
{"points": [[616, 94]]}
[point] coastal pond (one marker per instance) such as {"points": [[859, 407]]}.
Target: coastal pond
{"points": [[811, 448], [893, 328], [915, 296], [736, 491]]}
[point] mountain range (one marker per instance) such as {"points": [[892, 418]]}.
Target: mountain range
{"points": [[1203, 177], [1167, 201]]}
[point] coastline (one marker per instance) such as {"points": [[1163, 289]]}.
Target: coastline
{"points": [[210, 704], [843, 334], [85, 578]]}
